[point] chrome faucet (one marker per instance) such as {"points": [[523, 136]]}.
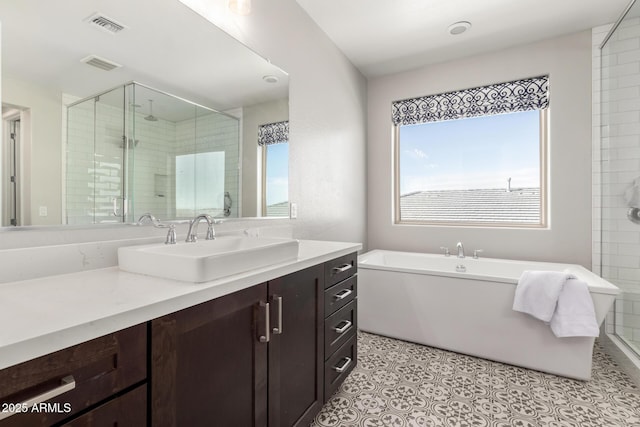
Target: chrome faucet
{"points": [[171, 234], [460, 249], [150, 217], [192, 235]]}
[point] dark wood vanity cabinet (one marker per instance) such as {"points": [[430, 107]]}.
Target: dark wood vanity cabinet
{"points": [[251, 358], [266, 356], [341, 321], [96, 383]]}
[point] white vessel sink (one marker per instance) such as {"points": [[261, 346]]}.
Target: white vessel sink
{"points": [[206, 260]]}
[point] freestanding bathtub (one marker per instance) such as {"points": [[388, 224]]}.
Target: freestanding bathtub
{"points": [[423, 299]]}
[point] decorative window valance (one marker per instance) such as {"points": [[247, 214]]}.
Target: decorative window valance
{"points": [[273, 133], [520, 95]]}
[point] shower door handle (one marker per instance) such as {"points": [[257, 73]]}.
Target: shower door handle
{"points": [[116, 211], [115, 206]]}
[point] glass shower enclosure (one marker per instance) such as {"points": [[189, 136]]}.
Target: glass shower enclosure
{"points": [[619, 177], [134, 149]]}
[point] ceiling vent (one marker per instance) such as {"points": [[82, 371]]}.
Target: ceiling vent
{"points": [[103, 64], [105, 23]]}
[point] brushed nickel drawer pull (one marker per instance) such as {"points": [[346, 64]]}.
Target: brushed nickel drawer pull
{"points": [[342, 268], [278, 330], [343, 328], [267, 330], [344, 366], [342, 294], [66, 384]]}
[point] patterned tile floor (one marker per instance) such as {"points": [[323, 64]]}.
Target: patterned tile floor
{"points": [[398, 384]]}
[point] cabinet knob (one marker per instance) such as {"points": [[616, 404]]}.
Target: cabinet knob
{"points": [[278, 329], [342, 294], [343, 328], [342, 268], [343, 367], [67, 383]]}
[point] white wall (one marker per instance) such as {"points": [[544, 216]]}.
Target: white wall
{"points": [[567, 60], [327, 101]]}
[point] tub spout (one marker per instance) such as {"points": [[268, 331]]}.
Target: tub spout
{"points": [[460, 250]]}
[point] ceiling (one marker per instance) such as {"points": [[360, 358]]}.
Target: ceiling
{"points": [[382, 37], [165, 45]]}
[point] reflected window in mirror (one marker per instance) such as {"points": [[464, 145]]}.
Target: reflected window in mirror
{"points": [[273, 138]]}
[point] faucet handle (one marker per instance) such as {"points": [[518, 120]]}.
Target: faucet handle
{"points": [[446, 250], [171, 235], [476, 252], [210, 233]]}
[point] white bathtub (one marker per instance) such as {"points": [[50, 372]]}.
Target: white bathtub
{"points": [[421, 298]]}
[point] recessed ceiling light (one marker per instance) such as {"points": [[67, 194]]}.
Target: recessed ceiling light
{"points": [[459, 27], [270, 79], [240, 7]]}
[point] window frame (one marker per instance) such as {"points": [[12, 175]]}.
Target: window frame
{"points": [[544, 215]]}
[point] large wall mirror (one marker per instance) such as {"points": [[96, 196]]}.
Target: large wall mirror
{"points": [[113, 108]]}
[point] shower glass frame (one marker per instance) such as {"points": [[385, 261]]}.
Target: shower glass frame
{"points": [[619, 166], [120, 165]]}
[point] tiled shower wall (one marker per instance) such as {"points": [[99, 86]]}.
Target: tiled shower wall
{"points": [[616, 164], [94, 161]]}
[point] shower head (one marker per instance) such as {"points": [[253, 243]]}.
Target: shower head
{"points": [[151, 117]]}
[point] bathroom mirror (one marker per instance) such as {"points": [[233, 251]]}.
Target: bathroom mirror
{"points": [[57, 54]]}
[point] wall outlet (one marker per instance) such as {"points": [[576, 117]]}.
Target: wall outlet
{"points": [[293, 210], [43, 211]]}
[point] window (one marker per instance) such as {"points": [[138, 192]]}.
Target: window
{"points": [[484, 167], [200, 183], [273, 138], [276, 180]]}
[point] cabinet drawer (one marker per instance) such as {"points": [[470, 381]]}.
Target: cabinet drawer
{"points": [[99, 368], [339, 327], [128, 410], [338, 367], [339, 269], [340, 295]]}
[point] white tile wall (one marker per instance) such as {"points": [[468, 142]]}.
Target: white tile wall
{"points": [[616, 163], [94, 161]]}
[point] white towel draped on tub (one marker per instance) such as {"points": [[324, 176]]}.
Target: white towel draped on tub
{"points": [[537, 293], [557, 298], [575, 315]]}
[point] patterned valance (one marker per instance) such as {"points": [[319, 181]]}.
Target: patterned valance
{"points": [[273, 133], [509, 97]]}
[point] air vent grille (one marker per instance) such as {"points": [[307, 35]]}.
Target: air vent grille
{"points": [[105, 23], [103, 64]]}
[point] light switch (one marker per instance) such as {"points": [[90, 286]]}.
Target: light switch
{"points": [[293, 210]]}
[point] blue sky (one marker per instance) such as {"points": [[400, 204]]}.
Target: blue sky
{"points": [[277, 173], [480, 152]]}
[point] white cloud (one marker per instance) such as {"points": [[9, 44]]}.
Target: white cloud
{"points": [[416, 153]]}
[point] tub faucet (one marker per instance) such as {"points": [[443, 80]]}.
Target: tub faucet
{"points": [[460, 249], [192, 235]]}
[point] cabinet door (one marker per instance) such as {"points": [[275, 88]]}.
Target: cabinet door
{"points": [[296, 354], [208, 368]]}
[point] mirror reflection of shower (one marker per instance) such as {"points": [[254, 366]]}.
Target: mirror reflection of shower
{"points": [[167, 156], [151, 117]]}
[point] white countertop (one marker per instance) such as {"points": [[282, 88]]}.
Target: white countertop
{"points": [[43, 315]]}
